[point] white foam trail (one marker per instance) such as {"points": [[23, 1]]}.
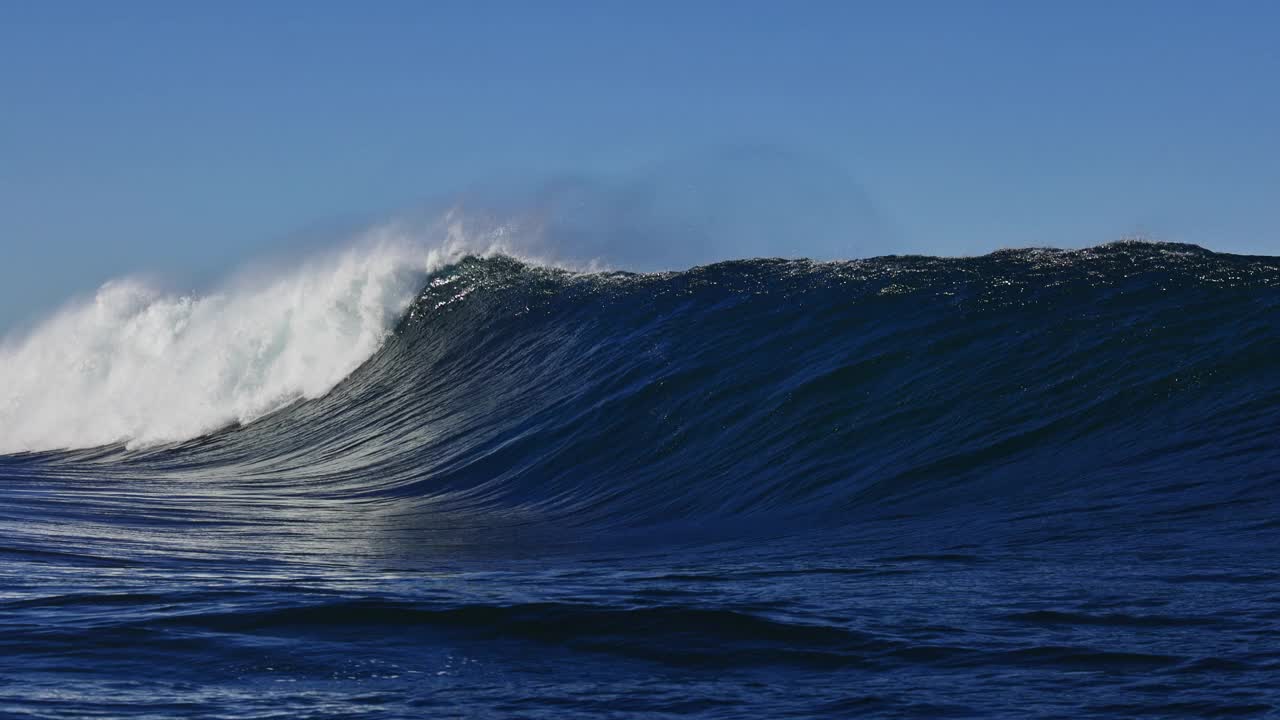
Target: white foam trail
{"points": [[142, 367]]}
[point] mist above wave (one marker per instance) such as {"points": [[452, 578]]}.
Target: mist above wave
{"points": [[138, 365]]}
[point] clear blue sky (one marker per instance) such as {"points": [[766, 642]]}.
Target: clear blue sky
{"points": [[183, 137]]}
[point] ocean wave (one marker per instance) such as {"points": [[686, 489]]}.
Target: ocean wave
{"points": [[519, 393]]}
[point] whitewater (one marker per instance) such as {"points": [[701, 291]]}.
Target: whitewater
{"points": [[133, 364]]}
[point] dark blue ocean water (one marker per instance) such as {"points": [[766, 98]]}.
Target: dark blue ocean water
{"points": [[1032, 484]]}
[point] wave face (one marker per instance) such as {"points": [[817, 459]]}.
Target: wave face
{"points": [[737, 474]]}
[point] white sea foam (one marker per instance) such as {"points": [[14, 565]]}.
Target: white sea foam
{"points": [[139, 366]]}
